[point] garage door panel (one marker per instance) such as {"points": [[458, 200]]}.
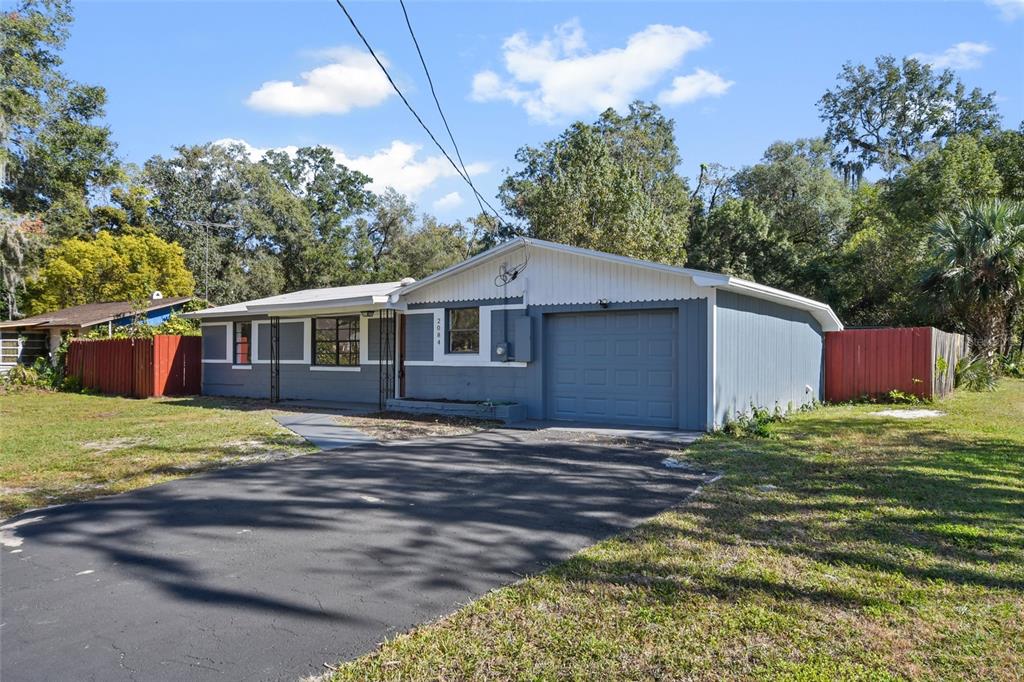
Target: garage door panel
{"points": [[664, 321], [627, 378], [623, 369], [660, 410], [627, 408], [660, 348], [660, 378], [627, 348]]}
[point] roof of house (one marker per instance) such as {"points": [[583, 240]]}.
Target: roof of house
{"points": [[89, 314], [370, 294], [306, 300]]}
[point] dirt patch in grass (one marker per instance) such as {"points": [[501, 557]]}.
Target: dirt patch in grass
{"points": [[390, 426], [108, 445], [64, 447]]}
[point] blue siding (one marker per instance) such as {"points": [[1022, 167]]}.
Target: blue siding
{"points": [[693, 364], [526, 384], [154, 317], [292, 347], [373, 339], [215, 342], [419, 337], [498, 384], [767, 355], [298, 382], [503, 327]]}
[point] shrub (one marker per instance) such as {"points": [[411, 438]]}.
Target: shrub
{"points": [[41, 374], [1012, 364], [900, 398], [976, 373], [757, 422]]}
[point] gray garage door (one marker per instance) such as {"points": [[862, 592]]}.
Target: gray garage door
{"points": [[612, 367]]}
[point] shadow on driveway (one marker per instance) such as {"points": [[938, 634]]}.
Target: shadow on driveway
{"points": [[268, 571]]}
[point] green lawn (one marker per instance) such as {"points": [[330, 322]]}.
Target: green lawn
{"points": [[58, 447], [889, 550]]}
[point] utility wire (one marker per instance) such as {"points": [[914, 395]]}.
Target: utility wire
{"points": [[430, 81], [419, 120]]}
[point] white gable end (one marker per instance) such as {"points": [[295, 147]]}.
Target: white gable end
{"points": [[554, 277]]}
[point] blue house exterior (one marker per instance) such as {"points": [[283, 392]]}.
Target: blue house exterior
{"points": [[567, 333]]}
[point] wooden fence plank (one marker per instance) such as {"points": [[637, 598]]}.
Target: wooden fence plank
{"points": [[163, 365], [873, 362]]}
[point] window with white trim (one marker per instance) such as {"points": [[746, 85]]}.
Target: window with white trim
{"points": [[243, 343], [336, 341], [464, 330]]}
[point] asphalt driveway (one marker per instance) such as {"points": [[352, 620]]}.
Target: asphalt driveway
{"points": [[269, 571]]}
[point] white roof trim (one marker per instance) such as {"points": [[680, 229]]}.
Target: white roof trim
{"points": [[822, 312], [298, 302]]}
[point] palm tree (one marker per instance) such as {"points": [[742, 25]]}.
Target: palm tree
{"points": [[978, 269]]}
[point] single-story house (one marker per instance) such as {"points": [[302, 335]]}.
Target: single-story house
{"points": [[24, 340], [568, 333]]}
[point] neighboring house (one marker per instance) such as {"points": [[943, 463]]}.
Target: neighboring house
{"points": [[24, 340], [570, 333]]}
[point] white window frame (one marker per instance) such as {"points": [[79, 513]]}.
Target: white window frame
{"points": [[228, 340], [480, 359], [306, 341]]}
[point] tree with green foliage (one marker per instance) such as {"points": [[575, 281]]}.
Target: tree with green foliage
{"points": [[736, 238], [1007, 150], [225, 211], [128, 267], [874, 275], [316, 252], [807, 208], [977, 270], [611, 186], [897, 112], [54, 154], [946, 179]]}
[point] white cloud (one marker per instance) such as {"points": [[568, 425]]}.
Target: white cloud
{"points": [[698, 84], [962, 56], [351, 80], [1010, 9], [558, 76], [398, 165], [448, 202]]}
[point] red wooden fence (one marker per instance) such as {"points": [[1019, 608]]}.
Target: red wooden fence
{"points": [[163, 365], [873, 362]]}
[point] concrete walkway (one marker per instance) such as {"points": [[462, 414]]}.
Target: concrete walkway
{"points": [[670, 436], [322, 430]]}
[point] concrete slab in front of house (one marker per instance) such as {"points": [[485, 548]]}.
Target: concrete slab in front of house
{"points": [[671, 436], [322, 430]]}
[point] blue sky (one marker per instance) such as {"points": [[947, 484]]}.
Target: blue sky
{"points": [[734, 76]]}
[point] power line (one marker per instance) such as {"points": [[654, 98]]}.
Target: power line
{"points": [[430, 81], [419, 120]]}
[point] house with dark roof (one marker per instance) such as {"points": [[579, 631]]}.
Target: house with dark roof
{"points": [[24, 340], [559, 332]]}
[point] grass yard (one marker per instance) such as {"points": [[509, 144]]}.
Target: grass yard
{"points": [[886, 549], [58, 447]]}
